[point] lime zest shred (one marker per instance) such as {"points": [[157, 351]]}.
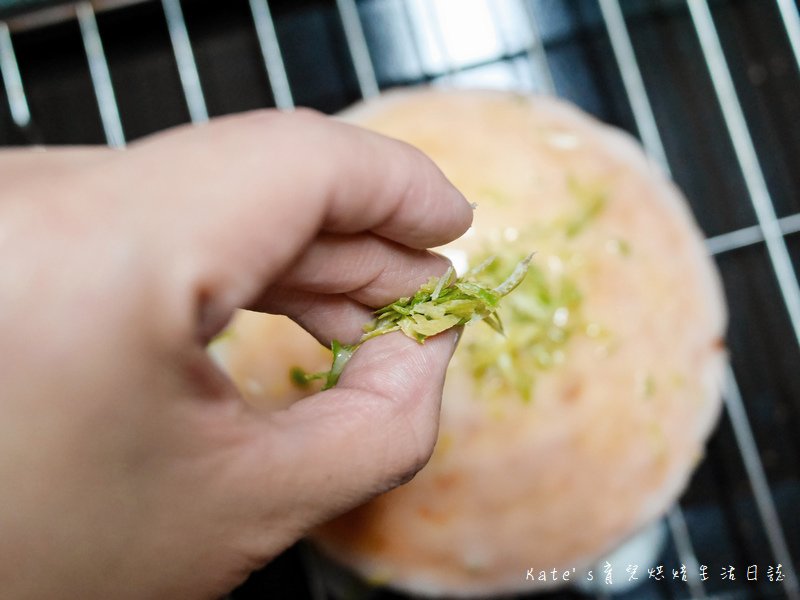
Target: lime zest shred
{"points": [[542, 316], [592, 200], [438, 305]]}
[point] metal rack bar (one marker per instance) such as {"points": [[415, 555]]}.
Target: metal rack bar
{"points": [[536, 53], [184, 57], [747, 236], [779, 257], [359, 52], [648, 129], [748, 161], [9, 69], [632, 81], [527, 70], [413, 34], [507, 48], [791, 20], [271, 54], [683, 544], [101, 77], [435, 26], [759, 483], [12, 80], [651, 140]]}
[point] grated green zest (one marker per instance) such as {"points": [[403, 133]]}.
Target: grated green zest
{"points": [[547, 311], [542, 316], [438, 305], [592, 201]]}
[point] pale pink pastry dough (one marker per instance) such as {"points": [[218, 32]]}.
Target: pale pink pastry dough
{"points": [[613, 433]]}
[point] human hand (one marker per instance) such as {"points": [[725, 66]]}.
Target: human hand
{"points": [[130, 467]]}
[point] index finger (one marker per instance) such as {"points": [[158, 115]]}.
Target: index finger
{"points": [[242, 196], [307, 170]]}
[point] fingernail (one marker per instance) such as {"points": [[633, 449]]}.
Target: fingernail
{"points": [[457, 337]]}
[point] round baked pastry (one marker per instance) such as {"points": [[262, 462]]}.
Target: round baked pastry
{"points": [[582, 423]]}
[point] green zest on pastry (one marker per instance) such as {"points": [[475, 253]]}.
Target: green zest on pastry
{"points": [[440, 304], [541, 317]]}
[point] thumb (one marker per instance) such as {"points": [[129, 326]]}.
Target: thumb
{"points": [[374, 431]]}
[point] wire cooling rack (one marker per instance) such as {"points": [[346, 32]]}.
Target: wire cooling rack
{"points": [[712, 89]]}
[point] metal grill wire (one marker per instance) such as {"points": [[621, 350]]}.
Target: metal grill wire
{"points": [[769, 229]]}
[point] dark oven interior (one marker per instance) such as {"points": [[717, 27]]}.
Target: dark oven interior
{"points": [[711, 89]]}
